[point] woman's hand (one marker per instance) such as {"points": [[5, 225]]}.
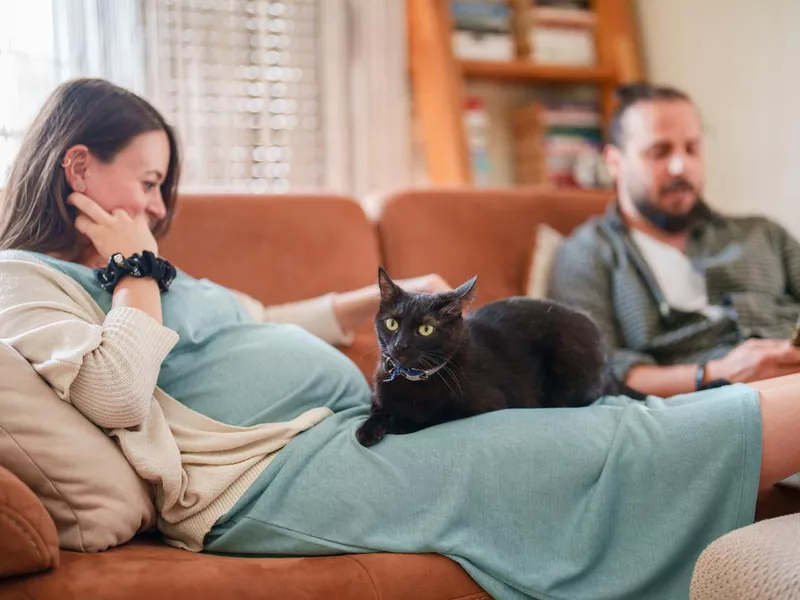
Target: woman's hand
{"points": [[429, 284], [119, 232], [112, 232]]}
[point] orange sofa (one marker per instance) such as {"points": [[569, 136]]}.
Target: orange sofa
{"points": [[280, 249]]}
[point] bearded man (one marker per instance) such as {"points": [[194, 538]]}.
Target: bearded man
{"points": [[686, 298]]}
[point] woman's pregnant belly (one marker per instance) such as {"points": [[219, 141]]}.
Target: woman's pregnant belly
{"points": [[245, 374]]}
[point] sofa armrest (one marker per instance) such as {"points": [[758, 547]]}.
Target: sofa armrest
{"points": [[758, 561], [28, 537]]}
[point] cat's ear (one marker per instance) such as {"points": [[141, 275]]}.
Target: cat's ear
{"points": [[389, 289], [462, 296], [466, 291]]}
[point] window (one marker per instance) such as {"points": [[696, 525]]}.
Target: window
{"points": [[27, 70], [237, 79], [239, 82]]}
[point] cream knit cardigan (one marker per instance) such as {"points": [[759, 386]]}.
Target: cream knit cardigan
{"points": [[107, 366]]}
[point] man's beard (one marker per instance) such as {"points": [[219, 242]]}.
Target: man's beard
{"points": [[666, 221]]}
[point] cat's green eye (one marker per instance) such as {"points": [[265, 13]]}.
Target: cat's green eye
{"points": [[425, 330], [391, 324]]}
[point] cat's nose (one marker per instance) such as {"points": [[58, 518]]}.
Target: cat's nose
{"points": [[400, 352]]}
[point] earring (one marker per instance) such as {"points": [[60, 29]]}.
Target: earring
{"points": [[66, 162], [79, 187]]}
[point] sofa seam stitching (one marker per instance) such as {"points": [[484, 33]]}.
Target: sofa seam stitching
{"points": [[52, 484], [18, 523], [367, 573]]}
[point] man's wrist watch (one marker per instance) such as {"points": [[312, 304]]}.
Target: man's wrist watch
{"points": [[700, 376], [702, 384], [145, 264]]}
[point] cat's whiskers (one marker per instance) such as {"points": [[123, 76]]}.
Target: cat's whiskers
{"points": [[432, 359], [448, 372], [427, 361]]}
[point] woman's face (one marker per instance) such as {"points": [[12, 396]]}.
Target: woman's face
{"points": [[131, 182]]}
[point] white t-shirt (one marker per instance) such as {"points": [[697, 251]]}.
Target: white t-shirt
{"points": [[681, 282]]}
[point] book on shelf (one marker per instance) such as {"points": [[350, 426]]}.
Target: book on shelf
{"points": [[558, 143], [565, 4], [565, 17], [476, 124], [562, 32], [482, 30]]}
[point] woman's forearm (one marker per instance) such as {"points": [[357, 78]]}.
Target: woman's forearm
{"points": [[115, 383], [140, 293]]}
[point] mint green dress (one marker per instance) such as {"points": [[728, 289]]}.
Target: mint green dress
{"points": [[613, 501]]}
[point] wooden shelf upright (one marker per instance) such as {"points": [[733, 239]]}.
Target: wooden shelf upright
{"points": [[438, 76]]}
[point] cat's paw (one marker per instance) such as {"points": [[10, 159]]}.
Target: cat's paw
{"points": [[370, 433]]}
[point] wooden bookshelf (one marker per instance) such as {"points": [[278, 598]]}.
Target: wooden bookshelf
{"points": [[438, 76], [525, 71]]}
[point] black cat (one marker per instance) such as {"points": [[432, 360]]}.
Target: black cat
{"points": [[438, 365]]}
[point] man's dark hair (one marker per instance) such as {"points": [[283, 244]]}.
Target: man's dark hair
{"points": [[631, 94]]}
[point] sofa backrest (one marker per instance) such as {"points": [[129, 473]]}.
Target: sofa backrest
{"points": [[285, 248], [274, 248], [463, 232]]}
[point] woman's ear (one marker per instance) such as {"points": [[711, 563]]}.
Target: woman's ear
{"points": [[76, 166]]}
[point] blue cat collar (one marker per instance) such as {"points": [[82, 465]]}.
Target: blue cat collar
{"points": [[396, 369]]}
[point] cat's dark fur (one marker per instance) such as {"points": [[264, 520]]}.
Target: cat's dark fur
{"points": [[515, 353]]}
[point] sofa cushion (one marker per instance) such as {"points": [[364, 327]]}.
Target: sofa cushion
{"points": [[152, 571], [545, 246], [29, 538], [81, 476], [463, 232], [274, 248]]}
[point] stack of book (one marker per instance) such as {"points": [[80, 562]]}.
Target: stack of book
{"points": [[482, 30], [476, 123], [562, 32], [553, 141]]}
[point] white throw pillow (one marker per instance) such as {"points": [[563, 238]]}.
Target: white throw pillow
{"points": [[546, 244], [79, 473]]}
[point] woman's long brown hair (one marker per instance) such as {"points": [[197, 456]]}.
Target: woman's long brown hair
{"points": [[98, 114]]}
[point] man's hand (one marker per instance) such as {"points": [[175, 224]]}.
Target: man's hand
{"points": [[754, 360]]}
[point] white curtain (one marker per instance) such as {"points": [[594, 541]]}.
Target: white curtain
{"points": [[240, 81], [366, 95], [27, 70], [100, 38]]}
